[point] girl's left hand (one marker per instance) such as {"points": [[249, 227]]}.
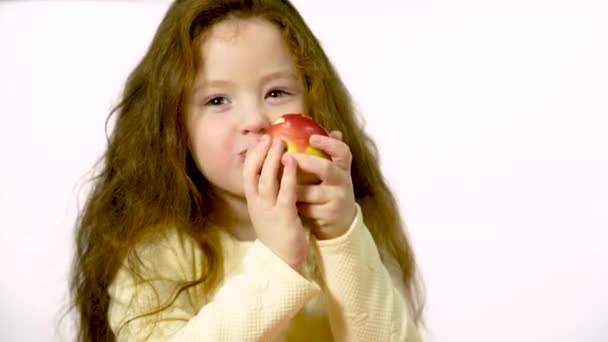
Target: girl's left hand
{"points": [[330, 205]]}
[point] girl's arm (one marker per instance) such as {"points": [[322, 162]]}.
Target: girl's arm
{"points": [[363, 302], [253, 305]]}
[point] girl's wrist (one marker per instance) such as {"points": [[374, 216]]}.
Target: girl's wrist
{"points": [[336, 232]]}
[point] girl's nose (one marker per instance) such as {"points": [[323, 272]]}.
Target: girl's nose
{"points": [[255, 122]]}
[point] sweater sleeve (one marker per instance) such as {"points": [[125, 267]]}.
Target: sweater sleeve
{"points": [[363, 302], [255, 304]]}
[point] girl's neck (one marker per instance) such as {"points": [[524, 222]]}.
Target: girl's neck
{"points": [[230, 213]]}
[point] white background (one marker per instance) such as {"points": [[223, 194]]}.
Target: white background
{"points": [[491, 116]]}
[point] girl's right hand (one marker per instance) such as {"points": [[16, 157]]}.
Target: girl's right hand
{"points": [[272, 203]]}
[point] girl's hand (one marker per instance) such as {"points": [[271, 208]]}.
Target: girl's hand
{"points": [[272, 206], [330, 205]]}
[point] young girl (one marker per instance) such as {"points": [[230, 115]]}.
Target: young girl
{"points": [[196, 229]]}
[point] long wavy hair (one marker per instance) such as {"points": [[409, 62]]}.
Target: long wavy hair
{"points": [[147, 178]]}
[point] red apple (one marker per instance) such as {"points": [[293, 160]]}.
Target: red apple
{"points": [[295, 130]]}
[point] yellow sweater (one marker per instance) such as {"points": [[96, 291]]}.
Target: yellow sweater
{"points": [[261, 298]]}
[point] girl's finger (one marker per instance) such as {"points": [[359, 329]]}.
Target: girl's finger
{"points": [[310, 211], [253, 165], [336, 135], [319, 167], [312, 194], [287, 191], [336, 149], [268, 183]]}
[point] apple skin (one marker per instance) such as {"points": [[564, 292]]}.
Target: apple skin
{"points": [[295, 130]]}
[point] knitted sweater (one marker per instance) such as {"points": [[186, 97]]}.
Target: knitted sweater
{"points": [[261, 298]]}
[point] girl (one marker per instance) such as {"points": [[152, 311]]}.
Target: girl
{"points": [[196, 230]]}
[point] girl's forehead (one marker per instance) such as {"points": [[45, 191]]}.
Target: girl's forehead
{"points": [[237, 30], [226, 29], [254, 46]]}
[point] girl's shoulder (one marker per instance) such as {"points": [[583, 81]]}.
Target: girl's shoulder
{"points": [[168, 253], [156, 268]]}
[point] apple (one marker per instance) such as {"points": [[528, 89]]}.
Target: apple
{"points": [[295, 130]]}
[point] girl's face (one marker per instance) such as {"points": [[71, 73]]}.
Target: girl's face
{"points": [[247, 80]]}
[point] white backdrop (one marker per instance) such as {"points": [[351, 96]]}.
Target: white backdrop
{"points": [[491, 117]]}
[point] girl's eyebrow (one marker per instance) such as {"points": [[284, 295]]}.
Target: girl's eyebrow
{"points": [[213, 83], [279, 74], [265, 79]]}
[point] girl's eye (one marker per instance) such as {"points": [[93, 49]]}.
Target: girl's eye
{"points": [[216, 101], [277, 93]]}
